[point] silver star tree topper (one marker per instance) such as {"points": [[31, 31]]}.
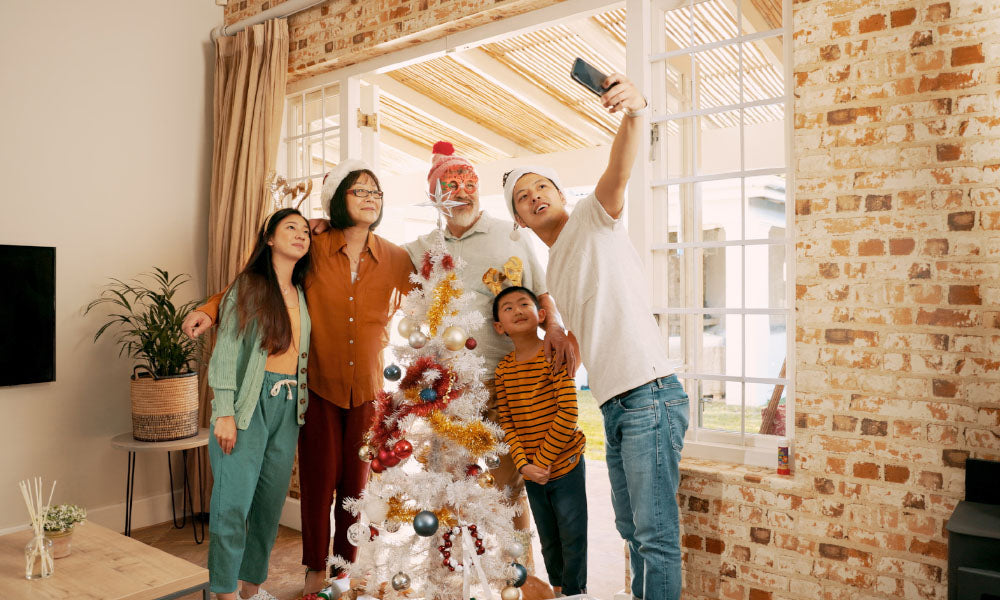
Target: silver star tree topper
{"points": [[441, 201]]}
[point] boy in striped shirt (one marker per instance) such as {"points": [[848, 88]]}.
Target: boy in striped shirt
{"points": [[537, 409]]}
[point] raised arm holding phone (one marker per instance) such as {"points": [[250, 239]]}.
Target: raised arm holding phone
{"points": [[597, 279]]}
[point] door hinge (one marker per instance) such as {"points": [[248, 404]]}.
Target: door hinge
{"points": [[366, 120], [654, 140]]}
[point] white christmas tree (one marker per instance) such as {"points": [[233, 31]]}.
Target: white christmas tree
{"points": [[432, 524]]}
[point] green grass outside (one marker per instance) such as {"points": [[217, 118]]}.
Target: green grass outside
{"points": [[590, 421]]}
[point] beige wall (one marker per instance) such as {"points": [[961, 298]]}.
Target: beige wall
{"points": [[106, 120]]}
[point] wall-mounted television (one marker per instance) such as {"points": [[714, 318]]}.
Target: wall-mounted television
{"points": [[27, 314]]}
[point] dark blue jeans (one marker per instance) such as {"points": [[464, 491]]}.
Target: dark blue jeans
{"points": [[560, 511], [644, 433]]}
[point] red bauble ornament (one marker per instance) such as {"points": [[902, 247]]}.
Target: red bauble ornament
{"points": [[374, 533], [377, 465], [387, 458], [470, 343], [473, 470], [403, 449]]}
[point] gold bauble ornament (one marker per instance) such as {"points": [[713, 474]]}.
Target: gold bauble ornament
{"points": [[510, 593], [365, 453], [485, 480], [407, 326], [417, 339], [454, 338]]}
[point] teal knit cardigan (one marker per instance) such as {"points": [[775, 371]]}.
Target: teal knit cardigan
{"points": [[236, 370]]}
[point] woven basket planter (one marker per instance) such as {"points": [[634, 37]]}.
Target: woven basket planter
{"points": [[164, 408]]}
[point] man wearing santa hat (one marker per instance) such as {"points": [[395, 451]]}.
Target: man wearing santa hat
{"points": [[485, 243]]}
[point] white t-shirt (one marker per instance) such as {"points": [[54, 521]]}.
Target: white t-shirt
{"points": [[597, 280]]}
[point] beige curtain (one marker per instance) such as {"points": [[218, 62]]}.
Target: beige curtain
{"points": [[250, 72]]}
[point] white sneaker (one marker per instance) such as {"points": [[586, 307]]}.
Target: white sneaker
{"points": [[260, 595]]}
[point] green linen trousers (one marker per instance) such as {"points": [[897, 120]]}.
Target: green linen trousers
{"points": [[250, 487]]}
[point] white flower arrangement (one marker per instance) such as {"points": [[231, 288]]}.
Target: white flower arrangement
{"points": [[63, 517]]}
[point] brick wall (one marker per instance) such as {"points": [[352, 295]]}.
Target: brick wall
{"points": [[897, 165], [340, 33]]}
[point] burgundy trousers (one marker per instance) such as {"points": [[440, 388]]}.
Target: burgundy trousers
{"points": [[329, 468]]}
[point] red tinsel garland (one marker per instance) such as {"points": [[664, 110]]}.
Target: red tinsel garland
{"points": [[414, 374]]}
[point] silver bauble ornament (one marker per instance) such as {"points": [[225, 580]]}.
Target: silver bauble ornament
{"points": [[492, 461], [407, 326], [417, 339], [392, 526], [515, 549], [400, 581], [356, 533], [454, 338], [376, 509], [510, 593]]}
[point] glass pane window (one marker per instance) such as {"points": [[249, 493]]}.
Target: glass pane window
{"points": [[721, 259]]}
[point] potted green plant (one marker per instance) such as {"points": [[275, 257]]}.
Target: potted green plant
{"points": [[164, 382], [60, 520]]}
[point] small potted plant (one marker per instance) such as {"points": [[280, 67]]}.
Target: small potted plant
{"points": [[165, 393], [60, 520]]}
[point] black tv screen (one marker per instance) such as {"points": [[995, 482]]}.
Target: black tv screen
{"points": [[27, 314]]}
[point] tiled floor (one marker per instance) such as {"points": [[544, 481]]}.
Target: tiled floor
{"points": [[605, 560]]}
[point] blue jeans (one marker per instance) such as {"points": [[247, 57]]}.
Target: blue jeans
{"points": [[560, 511], [644, 433]]}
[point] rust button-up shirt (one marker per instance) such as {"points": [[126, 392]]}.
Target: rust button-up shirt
{"points": [[349, 321]]}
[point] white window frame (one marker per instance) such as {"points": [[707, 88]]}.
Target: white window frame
{"points": [[643, 60]]}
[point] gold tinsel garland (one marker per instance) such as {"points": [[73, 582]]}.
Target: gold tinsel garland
{"points": [[444, 293], [474, 436], [398, 512]]}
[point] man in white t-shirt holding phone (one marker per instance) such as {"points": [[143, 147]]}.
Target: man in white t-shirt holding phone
{"points": [[597, 279]]}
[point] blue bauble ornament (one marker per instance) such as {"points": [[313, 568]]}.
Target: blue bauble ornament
{"points": [[520, 575], [392, 373], [425, 523], [428, 395]]}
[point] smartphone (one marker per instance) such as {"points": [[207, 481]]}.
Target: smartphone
{"points": [[589, 77]]}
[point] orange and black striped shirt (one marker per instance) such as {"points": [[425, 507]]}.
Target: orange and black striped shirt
{"points": [[538, 414]]}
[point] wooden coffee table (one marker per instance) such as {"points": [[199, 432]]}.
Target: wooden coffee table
{"points": [[104, 565]]}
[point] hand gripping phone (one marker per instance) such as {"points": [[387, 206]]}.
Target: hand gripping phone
{"points": [[589, 77]]}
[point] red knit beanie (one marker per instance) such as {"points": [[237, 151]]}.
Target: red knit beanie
{"points": [[444, 158]]}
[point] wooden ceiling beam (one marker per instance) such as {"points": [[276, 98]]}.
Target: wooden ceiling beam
{"points": [[404, 145], [517, 86], [446, 116]]}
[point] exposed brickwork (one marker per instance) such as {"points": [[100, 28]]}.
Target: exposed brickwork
{"points": [[340, 33], [885, 430]]}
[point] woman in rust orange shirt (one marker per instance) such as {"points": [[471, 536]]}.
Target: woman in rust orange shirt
{"points": [[354, 287]]}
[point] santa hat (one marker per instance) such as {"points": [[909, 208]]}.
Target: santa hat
{"points": [[512, 176], [333, 179], [444, 158]]}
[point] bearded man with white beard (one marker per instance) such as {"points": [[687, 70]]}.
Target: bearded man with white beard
{"points": [[485, 242]]}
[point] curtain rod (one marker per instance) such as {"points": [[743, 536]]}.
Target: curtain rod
{"points": [[285, 9]]}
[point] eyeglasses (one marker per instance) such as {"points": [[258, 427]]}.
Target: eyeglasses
{"points": [[470, 187], [361, 193]]}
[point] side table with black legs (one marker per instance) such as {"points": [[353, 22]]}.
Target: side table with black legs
{"points": [[126, 442]]}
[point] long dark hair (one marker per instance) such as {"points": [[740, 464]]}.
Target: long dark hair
{"points": [[259, 297], [339, 217]]}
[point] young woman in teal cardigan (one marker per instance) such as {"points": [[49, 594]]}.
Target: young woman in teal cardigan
{"points": [[258, 375]]}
